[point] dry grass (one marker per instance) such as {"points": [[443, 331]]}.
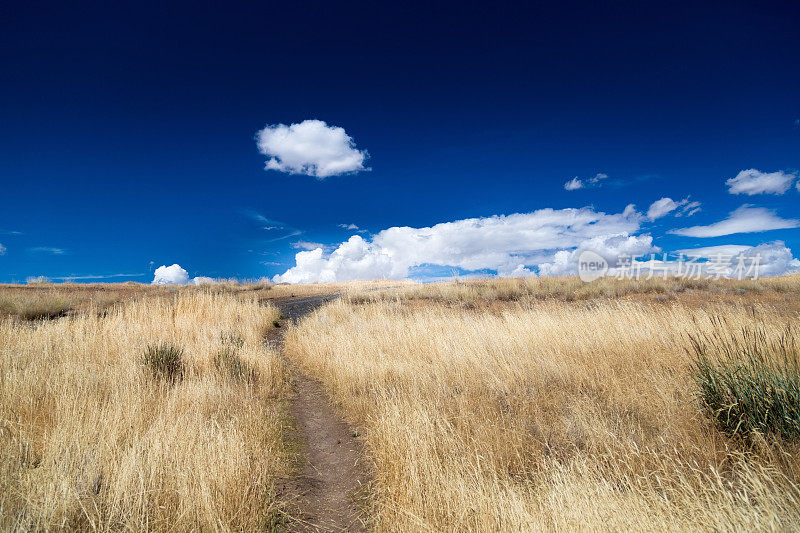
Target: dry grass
{"points": [[44, 301], [92, 438], [350, 288], [482, 293], [546, 413]]}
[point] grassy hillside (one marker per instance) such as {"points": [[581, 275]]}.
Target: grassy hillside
{"points": [[142, 417], [554, 405]]}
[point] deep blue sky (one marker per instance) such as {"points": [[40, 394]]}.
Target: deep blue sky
{"points": [[126, 132]]}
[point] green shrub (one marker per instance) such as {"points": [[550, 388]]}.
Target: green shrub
{"points": [[231, 338], [750, 382], [227, 361], [165, 361]]}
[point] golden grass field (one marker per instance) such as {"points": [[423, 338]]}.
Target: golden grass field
{"points": [[551, 405], [90, 438], [486, 405]]}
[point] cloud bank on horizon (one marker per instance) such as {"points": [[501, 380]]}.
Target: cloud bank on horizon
{"points": [[507, 244], [545, 242]]}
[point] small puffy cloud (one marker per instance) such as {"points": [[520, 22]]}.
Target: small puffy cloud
{"points": [[665, 206], [661, 207], [310, 147], [752, 181], [573, 184], [202, 280], [170, 275], [2, 249], [32, 280], [507, 244], [745, 219]]}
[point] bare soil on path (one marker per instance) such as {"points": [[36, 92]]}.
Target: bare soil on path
{"points": [[329, 492]]}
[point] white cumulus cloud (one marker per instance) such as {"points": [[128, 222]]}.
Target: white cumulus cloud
{"points": [[310, 147], [773, 259], [170, 275], [745, 219], [573, 184], [2, 249], [752, 181], [730, 261], [610, 247], [508, 244]]}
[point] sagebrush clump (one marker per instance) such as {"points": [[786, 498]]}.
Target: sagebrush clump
{"points": [[165, 360], [750, 381]]}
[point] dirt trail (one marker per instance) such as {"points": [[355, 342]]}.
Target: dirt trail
{"points": [[328, 494]]}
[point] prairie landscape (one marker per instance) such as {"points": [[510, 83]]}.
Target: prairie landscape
{"points": [[483, 405], [398, 267]]}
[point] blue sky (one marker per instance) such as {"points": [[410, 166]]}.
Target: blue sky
{"points": [[128, 134]]}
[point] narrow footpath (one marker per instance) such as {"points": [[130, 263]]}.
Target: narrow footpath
{"points": [[329, 492]]}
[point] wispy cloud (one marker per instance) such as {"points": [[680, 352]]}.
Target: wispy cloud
{"points": [[714, 251], [746, 219], [665, 206], [352, 227], [307, 245], [98, 276], [578, 183], [273, 226], [292, 233], [261, 220], [47, 250]]}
